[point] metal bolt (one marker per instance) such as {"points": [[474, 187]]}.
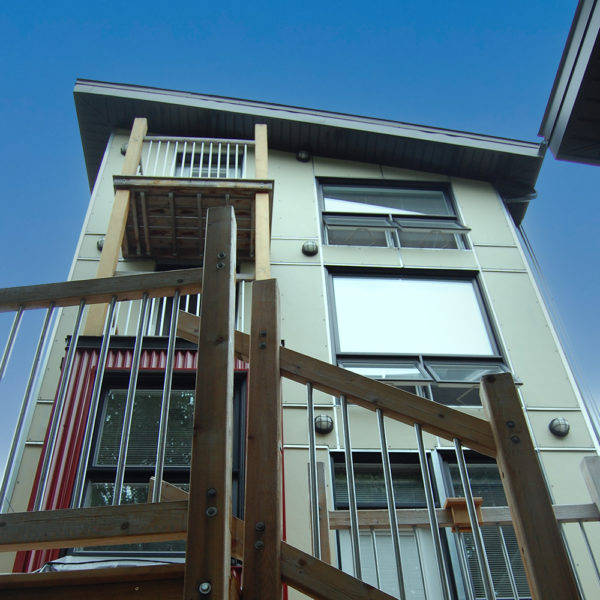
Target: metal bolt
{"points": [[510, 424], [262, 345], [211, 492], [221, 255], [220, 266], [259, 545], [263, 333], [211, 511], [260, 526], [515, 439], [205, 588]]}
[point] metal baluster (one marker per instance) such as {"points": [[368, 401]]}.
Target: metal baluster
{"points": [[312, 469], [511, 575], [484, 566], [210, 152], [244, 161], [166, 403], [78, 489], [236, 160], [187, 303], [128, 317], [354, 529], [199, 300], [156, 157], [174, 161], [137, 351], [201, 159], [219, 160], [227, 165], [149, 329], [58, 409], [164, 171], [25, 406], [375, 555], [433, 522], [464, 566], [183, 155], [391, 501], [10, 341], [192, 159], [163, 312], [589, 548]]}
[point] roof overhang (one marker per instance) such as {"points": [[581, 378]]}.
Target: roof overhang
{"points": [[511, 165], [571, 123]]}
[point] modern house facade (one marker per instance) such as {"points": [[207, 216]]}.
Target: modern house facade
{"points": [[397, 254]]}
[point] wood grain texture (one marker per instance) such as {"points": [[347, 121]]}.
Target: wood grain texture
{"points": [[261, 151], [263, 496], [262, 237], [208, 554], [540, 542], [397, 404], [322, 581]]}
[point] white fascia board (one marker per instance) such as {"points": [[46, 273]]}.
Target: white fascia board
{"points": [[310, 116]]}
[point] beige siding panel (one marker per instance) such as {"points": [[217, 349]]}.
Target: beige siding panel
{"points": [[303, 320], [295, 427], [331, 167], [25, 475], [492, 257], [562, 470], [400, 175], [442, 259], [89, 246], [291, 251], [85, 269], [39, 423], [295, 393], [361, 255], [529, 341], [482, 211], [295, 200], [578, 437]]}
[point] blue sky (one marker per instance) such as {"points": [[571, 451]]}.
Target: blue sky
{"points": [[485, 67]]}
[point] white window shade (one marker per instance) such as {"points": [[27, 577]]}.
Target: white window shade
{"points": [[410, 316]]}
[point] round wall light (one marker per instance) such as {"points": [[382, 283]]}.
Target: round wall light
{"points": [[303, 155], [559, 427], [310, 248], [323, 424]]}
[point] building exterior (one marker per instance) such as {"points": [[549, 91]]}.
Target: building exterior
{"points": [[397, 254]]}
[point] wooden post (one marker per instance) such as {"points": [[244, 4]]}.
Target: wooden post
{"points": [[263, 500], [208, 553], [540, 542], [116, 225], [262, 230]]}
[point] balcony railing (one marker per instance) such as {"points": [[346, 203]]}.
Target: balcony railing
{"points": [[201, 158]]}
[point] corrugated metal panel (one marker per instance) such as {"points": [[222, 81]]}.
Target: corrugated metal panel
{"points": [[156, 360]]}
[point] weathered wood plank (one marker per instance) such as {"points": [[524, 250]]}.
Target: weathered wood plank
{"points": [[157, 582], [208, 553], [101, 526], [261, 151], [540, 542], [263, 502], [437, 419], [418, 517], [262, 237], [124, 287], [113, 239], [163, 185], [322, 581]]}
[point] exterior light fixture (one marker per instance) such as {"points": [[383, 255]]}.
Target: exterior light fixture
{"points": [[310, 248], [100, 244], [303, 155], [323, 424], [124, 149], [559, 427]]}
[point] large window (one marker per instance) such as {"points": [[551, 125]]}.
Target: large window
{"points": [[420, 574], [363, 215], [429, 336]]}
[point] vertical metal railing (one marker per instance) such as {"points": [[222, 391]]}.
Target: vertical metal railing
{"points": [[127, 417], [10, 342], [197, 158], [78, 488], [27, 396], [166, 402], [312, 468], [58, 410]]}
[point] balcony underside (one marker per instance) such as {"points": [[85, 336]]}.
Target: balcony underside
{"points": [[167, 216]]}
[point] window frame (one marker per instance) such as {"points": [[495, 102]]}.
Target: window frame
{"points": [[394, 224]]}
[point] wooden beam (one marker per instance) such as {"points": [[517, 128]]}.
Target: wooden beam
{"points": [[208, 553], [322, 581], [235, 187], [418, 517], [156, 582], [116, 224], [262, 237], [323, 514], [124, 287], [397, 404], [261, 151], [263, 501], [590, 468], [544, 555], [98, 526], [168, 492]]}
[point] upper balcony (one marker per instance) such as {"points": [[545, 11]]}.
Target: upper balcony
{"points": [[177, 179]]}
